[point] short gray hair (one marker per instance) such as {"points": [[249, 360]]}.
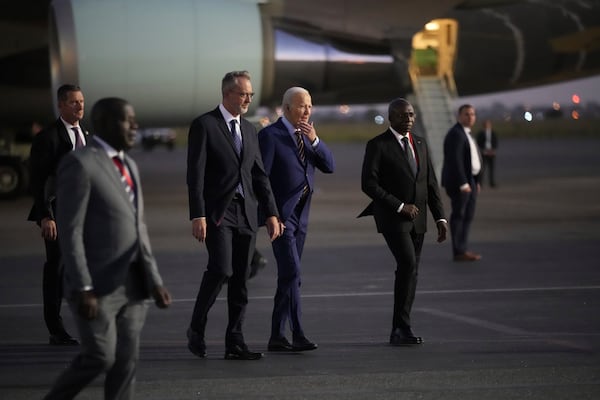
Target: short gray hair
{"points": [[230, 79], [291, 92]]}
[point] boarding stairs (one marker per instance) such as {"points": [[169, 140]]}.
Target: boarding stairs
{"points": [[435, 108]]}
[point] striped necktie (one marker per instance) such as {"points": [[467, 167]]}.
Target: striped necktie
{"points": [[125, 178], [300, 144]]}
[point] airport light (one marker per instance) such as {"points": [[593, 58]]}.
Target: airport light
{"points": [[575, 114], [575, 98], [344, 109], [432, 26], [379, 120], [528, 116]]}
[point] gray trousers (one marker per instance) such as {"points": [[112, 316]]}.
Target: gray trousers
{"points": [[110, 344]]}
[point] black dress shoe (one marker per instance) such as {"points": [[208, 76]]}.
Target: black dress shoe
{"points": [[196, 343], [241, 352], [62, 339], [303, 344], [258, 262], [279, 344], [404, 337]]}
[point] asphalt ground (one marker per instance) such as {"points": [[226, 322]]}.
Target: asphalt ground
{"points": [[522, 323]]}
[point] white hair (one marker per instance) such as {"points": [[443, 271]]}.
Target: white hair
{"points": [[290, 93]]}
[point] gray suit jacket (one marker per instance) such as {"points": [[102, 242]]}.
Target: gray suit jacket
{"points": [[103, 236]]}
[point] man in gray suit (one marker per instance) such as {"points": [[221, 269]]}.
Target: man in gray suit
{"points": [[109, 268]]}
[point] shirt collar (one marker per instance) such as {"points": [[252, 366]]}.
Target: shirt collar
{"points": [[68, 125], [291, 128], [227, 115], [398, 135], [110, 151]]}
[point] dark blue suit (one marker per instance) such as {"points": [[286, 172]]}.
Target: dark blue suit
{"points": [[457, 170], [288, 176]]}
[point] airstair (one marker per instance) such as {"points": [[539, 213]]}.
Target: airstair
{"points": [[432, 76], [436, 112]]}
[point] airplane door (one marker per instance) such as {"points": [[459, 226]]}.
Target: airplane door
{"points": [[434, 51]]}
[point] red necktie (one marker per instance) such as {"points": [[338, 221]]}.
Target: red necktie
{"points": [[125, 178]]}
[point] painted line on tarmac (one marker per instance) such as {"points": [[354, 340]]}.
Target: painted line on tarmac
{"points": [[506, 329], [475, 321], [373, 294]]}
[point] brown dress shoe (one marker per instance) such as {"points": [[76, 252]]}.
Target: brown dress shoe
{"points": [[467, 256]]}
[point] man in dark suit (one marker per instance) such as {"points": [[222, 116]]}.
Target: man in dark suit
{"points": [[109, 267], [48, 148], [226, 185], [398, 175], [291, 151], [460, 177], [487, 140]]}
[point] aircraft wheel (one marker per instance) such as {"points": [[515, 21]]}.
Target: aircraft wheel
{"points": [[11, 178]]}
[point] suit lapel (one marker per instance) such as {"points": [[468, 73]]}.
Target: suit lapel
{"points": [[294, 145], [395, 147], [62, 133], [398, 152], [113, 175], [135, 176], [420, 152], [227, 133], [222, 124]]}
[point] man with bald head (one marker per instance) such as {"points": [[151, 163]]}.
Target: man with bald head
{"points": [[398, 175], [291, 151]]}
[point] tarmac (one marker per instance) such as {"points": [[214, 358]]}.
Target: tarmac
{"points": [[522, 323]]}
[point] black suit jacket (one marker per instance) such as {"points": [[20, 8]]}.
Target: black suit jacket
{"points": [[47, 150], [214, 170], [481, 140], [389, 181], [457, 169]]}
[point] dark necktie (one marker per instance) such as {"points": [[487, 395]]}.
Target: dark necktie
{"points": [[300, 144], [125, 178], [409, 155], [78, 141], [237, 141]]}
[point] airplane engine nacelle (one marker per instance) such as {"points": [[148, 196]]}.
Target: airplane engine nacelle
{"points": [[166, 57]]}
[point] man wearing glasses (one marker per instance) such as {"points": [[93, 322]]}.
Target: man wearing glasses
{"points": [[227, 184]]}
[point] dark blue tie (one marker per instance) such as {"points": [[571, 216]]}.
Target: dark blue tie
{"points": [[237, 141]]}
